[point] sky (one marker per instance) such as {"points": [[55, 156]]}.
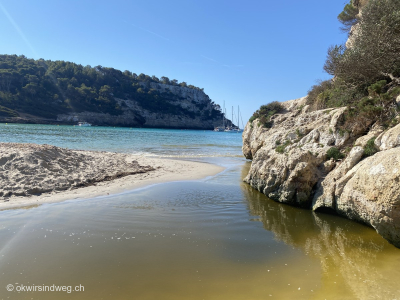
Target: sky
{"points": [[243, 53]]}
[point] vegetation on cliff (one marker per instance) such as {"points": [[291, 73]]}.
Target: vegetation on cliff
{"points": [[332, 151], [265, 113], [348, 17], [47, 88], [367, 69]]}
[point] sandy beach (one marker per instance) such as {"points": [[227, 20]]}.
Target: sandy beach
{"points": [[33, 174]]}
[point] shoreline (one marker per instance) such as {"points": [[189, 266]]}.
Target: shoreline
{"points": [[163, 170]]}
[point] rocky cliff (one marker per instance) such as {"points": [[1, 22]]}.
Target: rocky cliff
{"points": [[45, 91], [290, 165], [197, 111]]}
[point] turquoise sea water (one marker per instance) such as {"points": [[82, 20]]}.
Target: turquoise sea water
{"points": [[156, 142], [216, 238]]}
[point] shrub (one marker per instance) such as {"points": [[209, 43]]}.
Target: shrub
{"points": [[299, 134], [373, 54], [281, 148], [334, 153], [376, 88], [369, 148], [316, 98], [335, 54], [265, 112]]}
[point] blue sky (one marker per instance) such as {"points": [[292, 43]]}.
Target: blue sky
{"points": [[245, 53]]}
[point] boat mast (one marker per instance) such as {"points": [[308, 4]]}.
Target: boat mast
{"points": [[238, 124], [232, 118], [223, 117]]}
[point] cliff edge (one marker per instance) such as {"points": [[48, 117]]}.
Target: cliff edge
{"points": [[305, 159]]}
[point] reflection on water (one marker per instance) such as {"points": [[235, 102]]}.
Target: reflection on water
{"points": [[356, 262], [218, 239]]}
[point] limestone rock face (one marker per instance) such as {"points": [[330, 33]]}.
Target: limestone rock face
{"points": [[373, 133], [372, 194], [252, 139], [183, 92], [289, 165], [195, 104], [389, 139], [329, 187], [287, 179], [289, 158], [126, 119]]}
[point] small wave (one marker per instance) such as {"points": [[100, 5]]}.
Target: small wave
{"points": [[196, 146], [146, 154], [198, 155]]}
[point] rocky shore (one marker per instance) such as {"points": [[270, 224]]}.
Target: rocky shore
{"points": [[290, 165], [33, 174]]}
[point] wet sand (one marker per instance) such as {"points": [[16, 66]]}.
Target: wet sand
{"points": [[35, 174]]}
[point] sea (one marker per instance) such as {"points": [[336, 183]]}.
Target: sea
{"points": [[214, 238]]}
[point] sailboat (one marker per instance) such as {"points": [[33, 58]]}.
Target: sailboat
{"points": [[238, 127], [230, 129], [221, 128]]}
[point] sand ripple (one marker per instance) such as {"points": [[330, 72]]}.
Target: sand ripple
{"points": [[30, 169]]}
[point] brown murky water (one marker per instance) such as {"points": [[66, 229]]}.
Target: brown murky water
{"points": [[217, 239]]}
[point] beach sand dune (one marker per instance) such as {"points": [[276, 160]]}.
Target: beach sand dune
{"points": [[32, 174]]}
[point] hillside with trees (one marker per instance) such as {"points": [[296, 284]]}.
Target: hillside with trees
{"points": [[366, 69], [46, 89]]}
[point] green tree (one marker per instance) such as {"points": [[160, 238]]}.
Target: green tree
{"points": [[31, 88], [335, 54], [165, 80], [127, 73], [105, 93], [374, 52], [348, 17]]}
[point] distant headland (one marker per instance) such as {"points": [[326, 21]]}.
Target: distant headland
{"points": [[59, 92]]}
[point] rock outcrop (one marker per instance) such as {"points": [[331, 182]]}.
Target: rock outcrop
{"points": [[194, 110], [290, 165]]}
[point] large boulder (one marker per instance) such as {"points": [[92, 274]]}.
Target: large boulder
{"points": [[285, 178], [290, 165], [389, 139], [289, 158], [371, 194], [327, 189]]}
